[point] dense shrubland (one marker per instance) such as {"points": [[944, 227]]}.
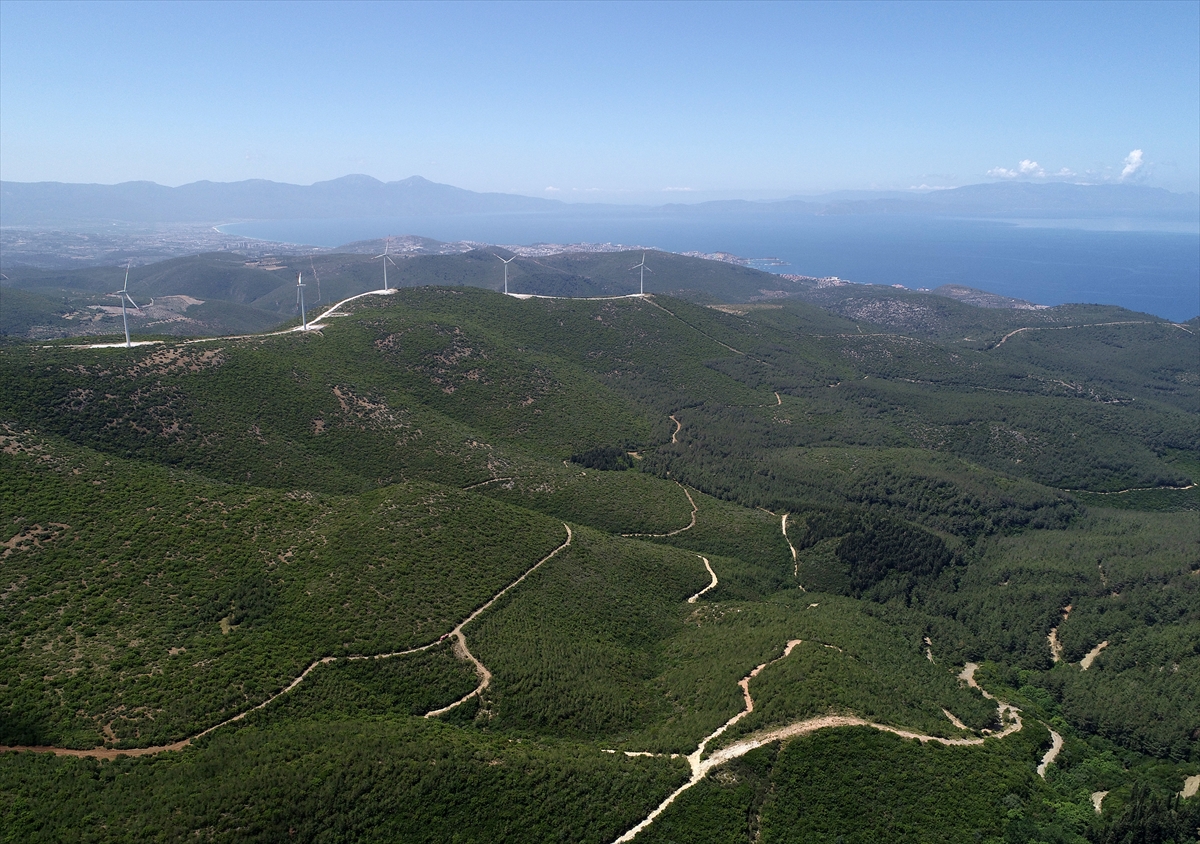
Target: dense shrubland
{"points": [[186, 528]]}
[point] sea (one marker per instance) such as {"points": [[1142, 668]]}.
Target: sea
{"points": [[1150, 266]]}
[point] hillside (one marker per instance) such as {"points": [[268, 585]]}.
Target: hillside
{"points": [[236, 295], [221, 293], [460, 566]]}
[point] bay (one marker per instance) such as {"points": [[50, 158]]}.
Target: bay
{"points": [[1140, 265]]}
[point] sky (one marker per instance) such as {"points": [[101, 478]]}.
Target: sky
{"points": [[608, 102]]}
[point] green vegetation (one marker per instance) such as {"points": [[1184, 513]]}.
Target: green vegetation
{"points": [[397, 780], [185, 529]]}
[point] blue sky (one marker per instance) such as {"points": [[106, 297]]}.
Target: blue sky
{"points": [[641, 102]]}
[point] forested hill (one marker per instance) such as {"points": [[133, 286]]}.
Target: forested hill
{"points": [[219, 293], [461, 566]]}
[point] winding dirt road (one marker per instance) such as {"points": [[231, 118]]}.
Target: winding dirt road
{"points": [[689, 525], [1135, 489], [1009, 715], [460, 648], [678, 428], [314, 325], [1056, 745], [1086, 662], [712, 585], [792, 548], [1056, 649], [1085, 325], [460, 645]]}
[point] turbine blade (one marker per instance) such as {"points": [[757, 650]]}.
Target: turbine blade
{"points": [[135, 304], [390, 261]]}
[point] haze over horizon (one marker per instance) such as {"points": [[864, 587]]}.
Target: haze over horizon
{"points": [[624, 103]]}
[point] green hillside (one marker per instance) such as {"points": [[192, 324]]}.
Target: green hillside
{"points": [[466, 567]]}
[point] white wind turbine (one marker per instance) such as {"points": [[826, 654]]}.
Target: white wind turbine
{"points": [[387, 259], [642, 266], [123, 293], [300, 301], [506, 263]]}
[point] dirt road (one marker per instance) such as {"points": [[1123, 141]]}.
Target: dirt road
{"points": [[460, 648], [700, 767], [460, 645], [712, 585], [688, 526]]}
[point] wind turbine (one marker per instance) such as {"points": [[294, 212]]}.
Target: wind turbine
{"points": [[506, 263], [642, 266], [300, 301], [387, 259], [123, 293]]}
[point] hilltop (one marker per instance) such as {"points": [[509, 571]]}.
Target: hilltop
{"points": [[460, 564], [219, 293]]}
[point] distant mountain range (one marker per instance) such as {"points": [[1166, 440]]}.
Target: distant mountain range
{"points": [[57, 203], [34, 203]]}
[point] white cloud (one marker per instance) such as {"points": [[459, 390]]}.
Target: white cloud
{"points": [[1029, 169], [552, 189], [678, 190], [1133, 163]]}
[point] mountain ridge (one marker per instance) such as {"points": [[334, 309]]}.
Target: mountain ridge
{"points": [[358, 195]]}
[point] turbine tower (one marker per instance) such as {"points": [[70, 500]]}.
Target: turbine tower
{"points": [[123, 293], [506, 263], [644, 269], [300, 301], [387, 259]]}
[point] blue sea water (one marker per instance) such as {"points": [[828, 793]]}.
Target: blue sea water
{"points": [[1149, 267]]}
